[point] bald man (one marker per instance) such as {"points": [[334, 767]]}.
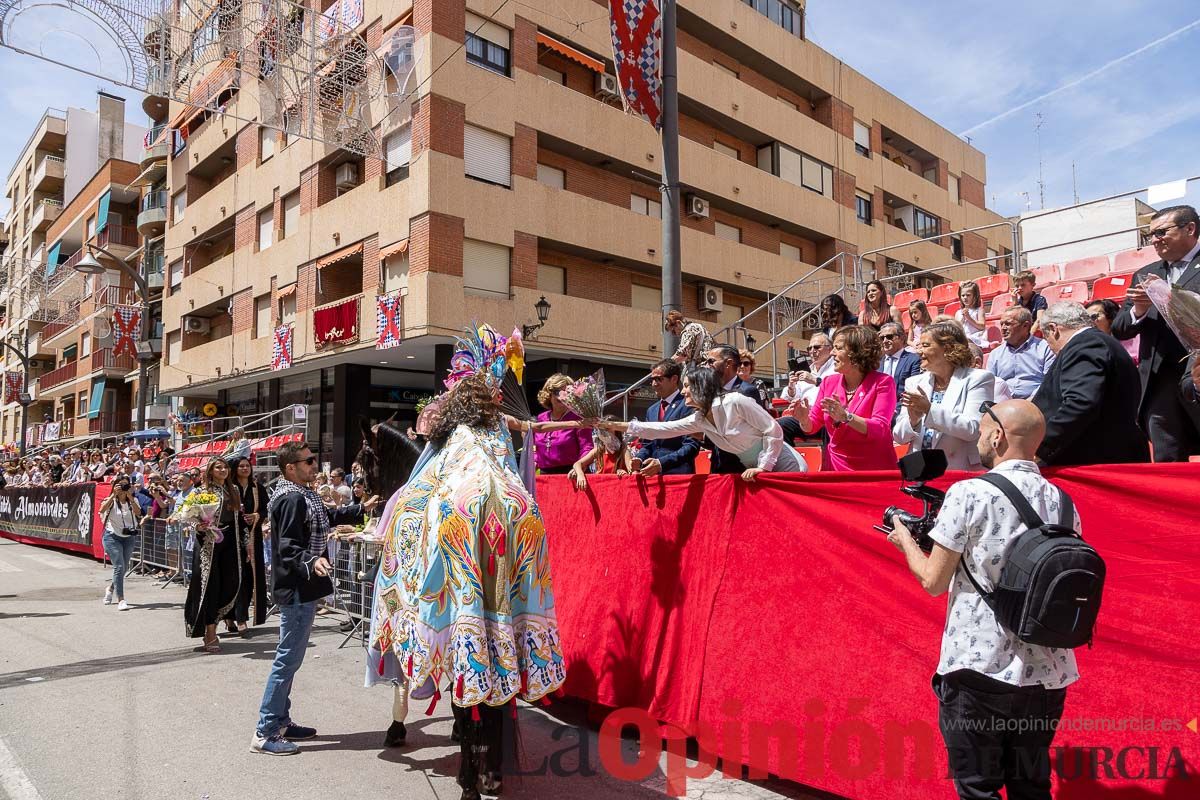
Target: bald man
{"points": [[982, 665]]}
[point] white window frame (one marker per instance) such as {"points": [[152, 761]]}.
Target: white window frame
{"points": [[178, 206], [266, 143], [862, 139], [287, 310], [395, 274], [397, 149], [791, 251], [953, 187], [175, 270], [726, 150], [552, 75]]}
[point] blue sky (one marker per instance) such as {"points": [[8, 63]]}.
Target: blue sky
{"points": [[962, 62]]}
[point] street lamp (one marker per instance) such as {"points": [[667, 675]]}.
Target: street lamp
{"points": [[88, 265], [24, 398], [750, 342], [543, 314]]}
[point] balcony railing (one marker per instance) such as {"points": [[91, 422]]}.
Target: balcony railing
{"points": [[154, 200], [64, 321], [57, 377], [115, 296], [106, 359], [117, 235], [109, 423]]}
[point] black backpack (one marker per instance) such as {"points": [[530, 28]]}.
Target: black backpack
{"points": [[1050, 585]]}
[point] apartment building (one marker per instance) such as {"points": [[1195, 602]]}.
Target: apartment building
{"points": [[517, 176], [68, 157]]}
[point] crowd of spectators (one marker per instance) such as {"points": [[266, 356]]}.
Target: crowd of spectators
{"points": [[55, 467]]}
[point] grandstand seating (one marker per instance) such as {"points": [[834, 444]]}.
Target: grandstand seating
{"points": [[944, 293], [1085, 269], [902, 299], [992, 285], [999, 304], [1046, 275], [952, 308], [1133, 260], [1073, 290], [1111, 287]]}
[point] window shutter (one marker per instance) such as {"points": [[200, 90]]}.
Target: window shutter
{"points": [[266, 227], [291, 214], [488, 30], [486, 268], [399, 148], [487, 155], [862, 135], [551, 176]]}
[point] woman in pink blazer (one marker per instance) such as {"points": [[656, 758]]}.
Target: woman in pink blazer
{"points": [[855, 405]]}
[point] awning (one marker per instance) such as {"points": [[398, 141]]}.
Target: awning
{"points": [[396, 249], [209, 87], [570, 52], [102, 213], [339, 255], [97, 397], [286, 291], [149, 433], [52, 259]]}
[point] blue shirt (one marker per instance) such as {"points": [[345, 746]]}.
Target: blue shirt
{"points": [[1022, 368]]}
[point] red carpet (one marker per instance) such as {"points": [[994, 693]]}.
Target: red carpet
{"points": [[727, 608]]}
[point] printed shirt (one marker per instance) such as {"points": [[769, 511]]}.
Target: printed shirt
{"points": [[979, 522]]}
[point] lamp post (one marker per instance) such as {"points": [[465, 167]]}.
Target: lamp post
{"points": [[88, 265], [543, 313], [25, 398]]}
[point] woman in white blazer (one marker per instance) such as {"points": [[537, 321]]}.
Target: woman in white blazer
{"points": [[941, 406]]}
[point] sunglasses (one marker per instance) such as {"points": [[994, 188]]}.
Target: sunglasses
{"points": [[889, 336], [1160, 233], [986, 408], [310, 461], [747, 364]]}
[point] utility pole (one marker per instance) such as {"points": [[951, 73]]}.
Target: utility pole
{"points": [[672, 276], [1037, 130], [1074, 183], [25, 399]]}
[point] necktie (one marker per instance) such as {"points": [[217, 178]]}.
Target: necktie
{"points": [[662, 410]]}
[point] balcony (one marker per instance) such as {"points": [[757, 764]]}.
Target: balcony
{"points": [[64, 323], [66, 281], [117, 237], [106, 359], [158, 89], [45, 211], [57, 377], [152, 220], [160, 147], [116, 422], [48, 177]]}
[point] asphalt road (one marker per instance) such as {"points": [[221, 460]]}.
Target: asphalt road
{"points": [[97, 703]]}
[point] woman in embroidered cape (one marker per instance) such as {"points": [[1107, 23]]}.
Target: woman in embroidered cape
{"points": [[216, 565]]}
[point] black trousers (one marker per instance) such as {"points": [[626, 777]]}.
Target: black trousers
{"points": [[1165, 420], [997, 735], [481, 743]]}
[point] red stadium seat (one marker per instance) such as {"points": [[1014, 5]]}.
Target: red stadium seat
{"points": [[992, 285], [704, 463], [944, 293], [1111, 287], [995, 338], [999, 304], [906, 319], [901, 451], [1046, 275], [811, 456], [902, 299], [952, 308], [1133, 260], [933, 311], [1085, 269], [1076, 291]]}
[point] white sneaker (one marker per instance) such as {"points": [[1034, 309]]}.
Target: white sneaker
{"points": [[108, 595], [122, 606]]}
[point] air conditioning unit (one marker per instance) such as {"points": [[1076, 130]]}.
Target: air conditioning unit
{"points": [[696, 206], [346, 176], [198, 325], [712, 298], [607, 86]]}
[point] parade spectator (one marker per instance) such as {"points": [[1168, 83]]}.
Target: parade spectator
{"points": [[162, 505], [746, 366], [876, 309], [972, 316], [897, 361], [855, 405], [805, 382], [337, 480], [1002, 391], [55, 469], [1025, 296], [941, 406], [694, 340], [557, 451], [1103, 312], [97, 467], [725, 360], [1024, 359], [675, 456], [835, 314], [121, 515], [919, 320], [252, 595]]}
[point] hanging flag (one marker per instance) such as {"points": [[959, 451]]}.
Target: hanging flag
{"points": [[13, 381], [127, 326], [637, 51], [281, 349], [389, 317]]}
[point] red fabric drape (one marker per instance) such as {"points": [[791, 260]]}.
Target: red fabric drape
{"points": [[710, 601], [336, 324]]}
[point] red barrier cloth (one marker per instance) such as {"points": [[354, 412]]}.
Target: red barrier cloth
{"points": [[95, 547], [709, 601]]}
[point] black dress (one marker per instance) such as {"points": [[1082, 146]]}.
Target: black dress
{"points": [[216, 574], [253, 591]]}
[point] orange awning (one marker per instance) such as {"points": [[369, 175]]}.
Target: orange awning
{"points": [[209, 87], [396, 249], [339, 255], [286, 291], [570, 52]]}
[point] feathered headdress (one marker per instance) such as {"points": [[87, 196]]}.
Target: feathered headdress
{"points": [[482, 350]]}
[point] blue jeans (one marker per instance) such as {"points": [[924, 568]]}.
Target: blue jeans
{"points": [[295, 623], [120, 551]]}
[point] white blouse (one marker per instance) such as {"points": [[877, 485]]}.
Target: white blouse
{"points": [[739, 425]]}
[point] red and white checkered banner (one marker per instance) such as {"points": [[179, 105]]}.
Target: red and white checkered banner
{"points": [[281, 348], [637, 51], [13, 382], [127, 328], [389, 308]]}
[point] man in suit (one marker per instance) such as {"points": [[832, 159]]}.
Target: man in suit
{"points": [[1090, 396], [724, 360], [1175, 232], [897, 361], [667, 456]]}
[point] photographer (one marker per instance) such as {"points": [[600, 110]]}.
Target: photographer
{"points": [[1000, 698], [121, 515]]}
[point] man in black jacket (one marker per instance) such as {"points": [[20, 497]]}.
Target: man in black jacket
{"points": [[299, 577], [1090, 396], [724, 360], [1175, 232], [1189, 388]]}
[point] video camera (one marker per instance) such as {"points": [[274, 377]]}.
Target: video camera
{"points": [[915, 469]]}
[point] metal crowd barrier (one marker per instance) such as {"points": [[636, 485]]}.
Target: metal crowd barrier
{"points": [[161, 547], [354, 565]]}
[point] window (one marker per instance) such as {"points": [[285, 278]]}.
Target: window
{"points": [[395, 274], [790, 251], [487, 44], [956, 248], [862, 139], [176, 274], [863, 203], [91, 227], [813, 175], [82, 408], [178, 205], [551, 279], [85, 344], [952, 186], [262, 316], [797, 168], [486, 269], [728, 232], [291, 126], [266, 143], [647, 298], [175, 347], [266, 228], [783, 13], [552, 74], [398, 149], [645, 206], [725, 69], [930, 174], [287, 309], [726, 150], [487, 156], [925, 224], [787, 102], [993, 265], [553, 177], [291, 215]]}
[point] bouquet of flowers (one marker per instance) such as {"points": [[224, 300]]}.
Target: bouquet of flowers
{"points": [[1181, 310], [198, 512], [586, 398]]}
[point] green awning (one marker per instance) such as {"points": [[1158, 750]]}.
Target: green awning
{"points": [[102, 214], [52, 259], [96, 398]]}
